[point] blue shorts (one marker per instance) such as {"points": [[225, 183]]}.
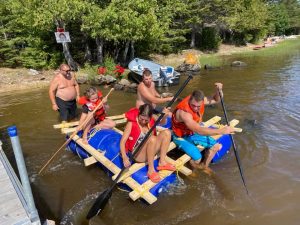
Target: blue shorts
{"points": [[189, 144]]}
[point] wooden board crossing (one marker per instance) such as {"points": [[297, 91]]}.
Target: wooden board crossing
{"points": [[143, 190]]}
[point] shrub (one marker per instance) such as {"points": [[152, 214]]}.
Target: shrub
{"points": [[210, 39]]}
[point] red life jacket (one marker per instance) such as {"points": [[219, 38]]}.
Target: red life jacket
{"points": [[100, 113], [132, 116], [179, 128]]}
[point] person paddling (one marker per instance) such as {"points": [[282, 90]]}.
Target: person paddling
{"points": [[92, 97], [139, 123], [146, 93], [187, 132]]}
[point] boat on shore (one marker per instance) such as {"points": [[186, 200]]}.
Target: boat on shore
{"points": [[162, 75], [103, 149]]}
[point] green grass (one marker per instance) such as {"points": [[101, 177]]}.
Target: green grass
{"points": [[280, 48], [212, 60]]}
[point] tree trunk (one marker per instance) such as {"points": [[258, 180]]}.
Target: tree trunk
{"points": [[88, 57], [66, 50], [193, 37], [88, 54], [126, 51], [68, 57], [116, 53], [132, 53], [99, 43]]}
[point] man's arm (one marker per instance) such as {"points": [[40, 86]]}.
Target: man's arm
{"points": [[52, 91], [215, 98], [146, 94], [76, 88], [196, 128], [156, 93]]}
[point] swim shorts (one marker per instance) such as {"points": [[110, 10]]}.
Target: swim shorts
{"points": [[67, 109], [189, 144]]}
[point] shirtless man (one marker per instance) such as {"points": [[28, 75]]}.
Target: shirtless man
{"points": [[146, 93], [63, 93]]}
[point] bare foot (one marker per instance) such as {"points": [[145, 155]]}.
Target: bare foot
{"points": [[206, 169], [194, 164]]}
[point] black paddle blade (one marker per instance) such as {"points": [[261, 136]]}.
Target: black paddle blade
{"points": [[99, 204]]}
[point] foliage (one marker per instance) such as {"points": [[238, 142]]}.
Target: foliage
{"points": [[109, 64], [210, 39], [279, 19], [118, 27], [90, 70], [247, 19]]}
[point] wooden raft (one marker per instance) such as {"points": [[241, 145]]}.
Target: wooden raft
{"points": [[70, 126], [143, 190]]}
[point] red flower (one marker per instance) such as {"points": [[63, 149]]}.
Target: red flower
{"points": [[101, 70], [119, 69]]}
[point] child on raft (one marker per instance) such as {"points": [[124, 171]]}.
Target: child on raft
{"points": [[139, 123], [91, 99]]}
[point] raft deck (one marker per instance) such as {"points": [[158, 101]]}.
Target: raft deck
{"points": [[138, 190]]}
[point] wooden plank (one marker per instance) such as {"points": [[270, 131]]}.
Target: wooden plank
{"points": [[68, 130], [237, 130], [97, 155], [76, 123], [137, 166], [232, 123], [145, 194], [211, 121], [89, 161], [180, 164], [117, 117], [120, 121], [66, 125], [113, 168], [137, 193]]}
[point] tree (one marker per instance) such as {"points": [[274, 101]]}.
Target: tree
{"points": [[247, 19], [22, 45], [50, 14], [293, 11], [279, 19]]}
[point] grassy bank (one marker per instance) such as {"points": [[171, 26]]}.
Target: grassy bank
{"points": [[219, 59]]}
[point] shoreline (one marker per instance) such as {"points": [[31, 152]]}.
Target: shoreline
{"points": [[21, 79]]}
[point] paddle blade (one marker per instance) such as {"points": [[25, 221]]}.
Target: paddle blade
{"points": [[99, 204]]}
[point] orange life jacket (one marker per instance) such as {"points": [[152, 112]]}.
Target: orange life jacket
{"points": [[132, 116], [179, 128], [100, 113]]}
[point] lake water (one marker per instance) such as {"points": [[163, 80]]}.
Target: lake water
{"points": [[263, 96]]}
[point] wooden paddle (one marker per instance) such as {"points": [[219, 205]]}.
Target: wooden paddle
{"points": [[88, 118], [233, 144], [103, 198]]}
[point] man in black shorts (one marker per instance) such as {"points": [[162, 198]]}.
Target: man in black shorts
{"points": [[63, 93]]}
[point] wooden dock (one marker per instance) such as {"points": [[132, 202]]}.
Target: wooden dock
{"points": [[13, 207]]}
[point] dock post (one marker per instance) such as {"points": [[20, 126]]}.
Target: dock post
{"points": [[13, 134]]}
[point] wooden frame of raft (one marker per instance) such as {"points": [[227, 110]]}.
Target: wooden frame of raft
{"points": [[142, 190]]}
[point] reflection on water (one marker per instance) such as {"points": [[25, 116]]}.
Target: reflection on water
{"points": [[264, 97]]}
